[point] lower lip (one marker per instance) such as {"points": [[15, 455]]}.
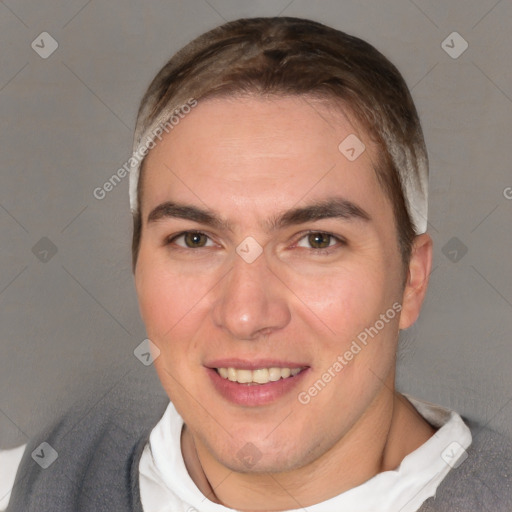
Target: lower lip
{"points": [[251, 395]]}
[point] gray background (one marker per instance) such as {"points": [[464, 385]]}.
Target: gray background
{"points": [[69, 320]]}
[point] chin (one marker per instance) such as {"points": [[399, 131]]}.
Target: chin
{"points": [[264, 457], [274, 463]]}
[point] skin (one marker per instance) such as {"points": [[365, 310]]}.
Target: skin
{"points": [[248, 160]]}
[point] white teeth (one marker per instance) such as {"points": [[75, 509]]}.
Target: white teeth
{"points": [[243, 376], [274, 374], [259, 376], [285, 372]]}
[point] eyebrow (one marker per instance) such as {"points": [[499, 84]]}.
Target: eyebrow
{"points": [[336, 207], [187, 212]]}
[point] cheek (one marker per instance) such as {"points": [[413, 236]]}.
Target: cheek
{"points": [[340, 301], [163, 295], [173, 300], [152, 295]]}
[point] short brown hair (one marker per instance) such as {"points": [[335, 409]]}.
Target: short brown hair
{"points": [[289, 57]]}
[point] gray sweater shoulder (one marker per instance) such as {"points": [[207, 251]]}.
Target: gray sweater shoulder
{"points": [[86, 461], [483, 482]]}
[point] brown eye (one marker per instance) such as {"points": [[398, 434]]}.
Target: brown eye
{"points": [[194, 240], [319, 240]]}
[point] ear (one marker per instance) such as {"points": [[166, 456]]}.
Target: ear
{"points": [[417, 280]]}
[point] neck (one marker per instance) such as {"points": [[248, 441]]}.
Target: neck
{"points": [[388, 431]]}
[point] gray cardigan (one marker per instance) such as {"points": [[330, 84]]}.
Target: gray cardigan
{"points": [[99, 451]]}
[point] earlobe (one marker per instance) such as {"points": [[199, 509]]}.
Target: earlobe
{"points": [[417, 280]]}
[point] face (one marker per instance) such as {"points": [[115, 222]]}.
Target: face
{"points": [[266, 255]]}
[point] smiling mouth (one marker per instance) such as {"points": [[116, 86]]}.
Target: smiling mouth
{"points": [[258, 376]]}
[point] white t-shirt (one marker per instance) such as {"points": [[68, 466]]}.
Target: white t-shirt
{"points": [[164, 478], [9, 462]]}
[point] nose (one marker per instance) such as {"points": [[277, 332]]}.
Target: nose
{"points": [[251, 301]]}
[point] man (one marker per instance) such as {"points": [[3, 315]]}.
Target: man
{"points": [[279, 193]]}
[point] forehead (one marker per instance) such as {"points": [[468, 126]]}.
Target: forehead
{"points": [[263, 152]]}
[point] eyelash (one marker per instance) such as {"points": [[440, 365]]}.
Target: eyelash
{"points": [[340, 242], [324, 251], [171, 239]]}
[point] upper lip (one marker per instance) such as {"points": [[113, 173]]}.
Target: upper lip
{"points": [[253, 364]]}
